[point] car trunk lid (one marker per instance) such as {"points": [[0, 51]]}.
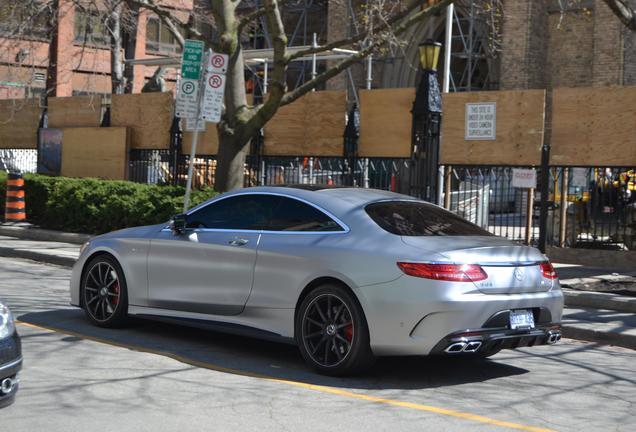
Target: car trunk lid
{"points": [[510, 268]]}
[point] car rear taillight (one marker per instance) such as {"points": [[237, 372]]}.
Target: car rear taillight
{"points": [[548, 270], [444, 272]]}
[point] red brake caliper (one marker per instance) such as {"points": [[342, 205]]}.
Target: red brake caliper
{"points": [[348, 331], [115, 299]]}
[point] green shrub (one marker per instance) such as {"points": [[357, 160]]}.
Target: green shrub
{"points": [[96, 206]]}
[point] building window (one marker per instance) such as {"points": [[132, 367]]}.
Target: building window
{"points": [[159, 39], [24, 20], [91, 28]]}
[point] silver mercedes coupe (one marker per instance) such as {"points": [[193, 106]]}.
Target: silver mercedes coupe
{"points": [[347, 274]]}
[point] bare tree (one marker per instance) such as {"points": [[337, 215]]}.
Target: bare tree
{"points": [[116, 18], [381, 23]]}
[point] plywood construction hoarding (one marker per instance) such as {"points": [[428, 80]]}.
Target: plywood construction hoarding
{"points": [[76, 111], [208, 143], [520, 119], [147, 115], [594, 126], [313, 125], [95, 152], [19, 121], [385, 122]]}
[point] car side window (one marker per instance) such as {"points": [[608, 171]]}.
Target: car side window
{"points": [[241, 212], [294, 215]]}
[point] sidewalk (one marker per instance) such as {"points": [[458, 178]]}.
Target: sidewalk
{"points": [[604, 317]]}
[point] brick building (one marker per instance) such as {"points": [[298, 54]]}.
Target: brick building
{"points": [[540, 46], [82, 63]]}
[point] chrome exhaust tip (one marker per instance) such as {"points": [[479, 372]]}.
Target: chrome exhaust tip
{"points": [[554, 337], [455, 348], [7, 385], [472, 347]]}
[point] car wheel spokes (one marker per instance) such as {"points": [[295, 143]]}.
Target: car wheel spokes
{"points": [[327, 330], [101, 291]]}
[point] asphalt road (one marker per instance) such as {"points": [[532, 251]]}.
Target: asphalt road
{"points": [[154, 377]]}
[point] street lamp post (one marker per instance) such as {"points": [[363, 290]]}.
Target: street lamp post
{"points": [[427, 118], [351, 137]]}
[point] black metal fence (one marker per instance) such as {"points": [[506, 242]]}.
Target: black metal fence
{"points": [[591, 207], [153, 166], [19, 160], [485, 196]]}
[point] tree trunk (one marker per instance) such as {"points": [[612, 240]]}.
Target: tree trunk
{"points": [[130, 45], [116, 60], [51, 73], [230, 163]]}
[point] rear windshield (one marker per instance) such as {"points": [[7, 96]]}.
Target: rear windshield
{"points": [[411, 218]]}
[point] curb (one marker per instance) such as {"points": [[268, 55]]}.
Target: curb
{"points": [[43, 234], [37, 256], [618, 339], [598, 300]]}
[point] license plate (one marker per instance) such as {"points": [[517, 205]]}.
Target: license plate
{"points": [[521, 319]]}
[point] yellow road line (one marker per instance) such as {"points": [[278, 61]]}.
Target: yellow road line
{"points": [[314, 387]]}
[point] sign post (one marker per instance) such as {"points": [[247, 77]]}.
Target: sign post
{"points": [[200, 96], [526, 179], [189, 101]]}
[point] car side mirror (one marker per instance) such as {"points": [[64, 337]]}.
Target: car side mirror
{"points": [[178, 224]]}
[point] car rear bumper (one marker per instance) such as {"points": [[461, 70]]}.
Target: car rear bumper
{"points": [[492, 340], [412, 316]]}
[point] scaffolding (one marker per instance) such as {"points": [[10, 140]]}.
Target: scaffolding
{"points": [[472, 50]]}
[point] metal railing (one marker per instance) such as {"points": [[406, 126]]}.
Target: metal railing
{"points": [[598, 210], [19, 160], [592, 207], [485, 196]]}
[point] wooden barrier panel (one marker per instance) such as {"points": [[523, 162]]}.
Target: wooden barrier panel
{"points": [[95, 152], [385, 122], [147, 115], [594, 126], [19, 121], [519, 128], [208, 141], [76, 111], [312, 125]]}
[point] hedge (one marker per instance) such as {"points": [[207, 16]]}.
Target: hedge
{"points": [[95, 206]]}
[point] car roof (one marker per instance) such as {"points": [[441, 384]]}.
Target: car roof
{"points": [[339, 200]]}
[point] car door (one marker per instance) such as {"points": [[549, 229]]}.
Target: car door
{"points": [[296, 242], [209, 268]]}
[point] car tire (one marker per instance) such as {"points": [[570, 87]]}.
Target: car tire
{"points": [[332, 333], [104, 294]]}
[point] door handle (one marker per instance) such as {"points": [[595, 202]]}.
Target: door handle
{"points": [[238, 242]]}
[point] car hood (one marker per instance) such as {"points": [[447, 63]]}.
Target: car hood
{"points": [[146, 231]]}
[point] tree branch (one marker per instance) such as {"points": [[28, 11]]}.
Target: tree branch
{"points": [[279, 69], [624, 12], [166, 17], [379, 27], [344, 64]]}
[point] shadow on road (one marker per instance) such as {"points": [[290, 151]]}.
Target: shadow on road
{"points": [[247, 356]]}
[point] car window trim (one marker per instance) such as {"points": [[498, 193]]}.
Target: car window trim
{"points": [[345, 227]]}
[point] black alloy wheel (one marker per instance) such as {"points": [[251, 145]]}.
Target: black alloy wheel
{"points": [[104, 293], [332, 332]]}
